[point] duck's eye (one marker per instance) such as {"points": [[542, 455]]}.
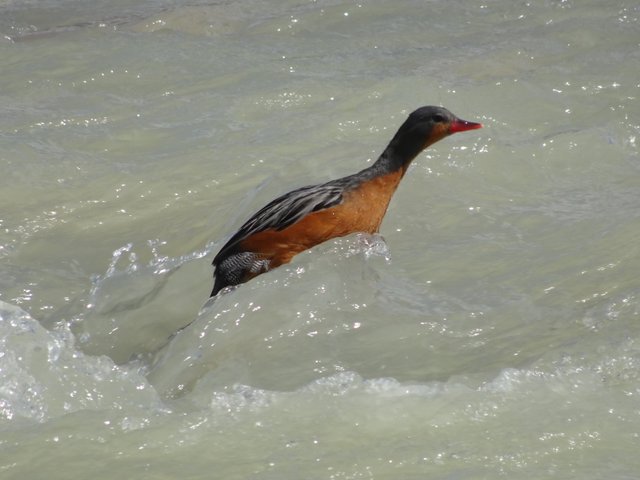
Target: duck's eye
{"points": [[438, 118]]}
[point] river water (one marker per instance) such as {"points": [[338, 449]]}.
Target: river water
{"points": [[492, 331]]}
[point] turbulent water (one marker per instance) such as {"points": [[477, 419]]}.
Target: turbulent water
{"points": [[491, 331]]}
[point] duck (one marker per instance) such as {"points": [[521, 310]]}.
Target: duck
{"points": [[310, 215]]}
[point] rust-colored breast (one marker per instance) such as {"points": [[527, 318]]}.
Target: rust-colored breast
{"points": [[362, 210]]}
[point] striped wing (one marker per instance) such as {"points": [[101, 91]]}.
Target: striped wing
{"points": [[285, 211]]}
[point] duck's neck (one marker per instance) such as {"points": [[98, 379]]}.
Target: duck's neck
{"points": [[395, 158]]}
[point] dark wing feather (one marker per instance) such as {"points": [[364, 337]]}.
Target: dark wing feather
{"points": [[286, 210]]}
